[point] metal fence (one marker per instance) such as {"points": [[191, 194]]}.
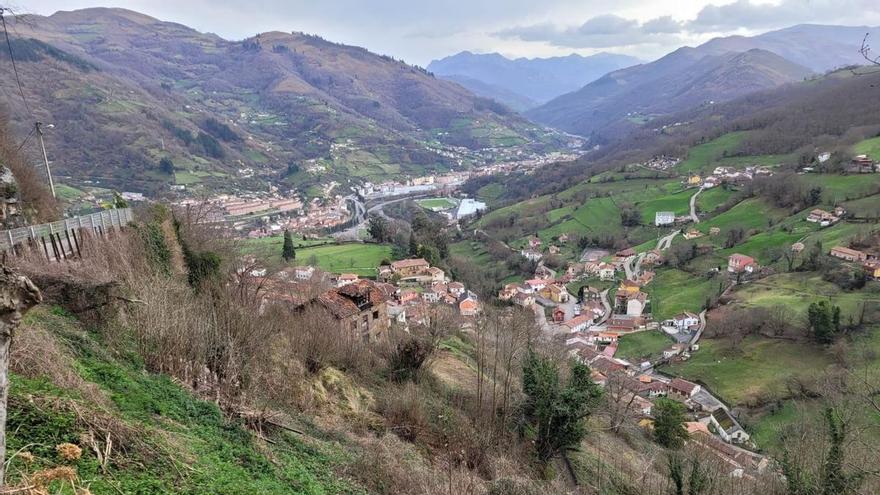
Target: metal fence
{"points": [[99, 222]]}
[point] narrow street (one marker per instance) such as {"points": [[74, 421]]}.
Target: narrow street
{"points": [[607, 305], [633, 266], [694, 216]]}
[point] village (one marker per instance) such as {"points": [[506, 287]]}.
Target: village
{"points": [[404, 293], [590, 324]]}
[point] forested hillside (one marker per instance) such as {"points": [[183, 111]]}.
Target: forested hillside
{"points": [[125, 90]]}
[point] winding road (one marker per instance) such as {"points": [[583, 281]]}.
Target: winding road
{"points": [[666, 241], [363, 214], [694, 216], [633, 265]]}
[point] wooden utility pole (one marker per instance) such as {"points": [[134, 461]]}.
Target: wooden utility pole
{"points": [[39, 128], [17, 295]]}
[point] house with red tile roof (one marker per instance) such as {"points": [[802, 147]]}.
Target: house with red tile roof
{"points": [[740, 263]]}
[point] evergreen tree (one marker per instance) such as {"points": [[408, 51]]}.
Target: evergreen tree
{"points": [[287, 250], [413, 245], [166, 166], [824, 321], [669, 423], [555, 410], [379, 229], [835, 480]]}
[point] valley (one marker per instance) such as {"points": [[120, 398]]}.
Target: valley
{"points": [[332, 271]]}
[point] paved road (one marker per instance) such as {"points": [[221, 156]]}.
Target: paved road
{"points": [[360, 213], [666, 241], [700, 328], [633, 265], [607, 305], [364, 215], [694, 216]]}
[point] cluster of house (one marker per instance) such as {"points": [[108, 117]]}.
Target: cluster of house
{"points": [[533, 249], [627, 382], [870, 261], [525, 294], [418, 284], [413, 185], [661, 162], [826, 218], [862, 164], [728, 175], [404, 293]]}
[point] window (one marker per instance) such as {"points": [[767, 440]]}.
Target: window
{"points": [[376, 315]]}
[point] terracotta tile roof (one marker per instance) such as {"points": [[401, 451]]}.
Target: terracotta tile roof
{"points": [[411, 263], [683, 386], [341, 302]]}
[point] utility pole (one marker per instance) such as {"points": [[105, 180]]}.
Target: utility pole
{"points": [[39, 128]]}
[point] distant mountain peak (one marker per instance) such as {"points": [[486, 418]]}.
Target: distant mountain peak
{"points": [[528, 79]]}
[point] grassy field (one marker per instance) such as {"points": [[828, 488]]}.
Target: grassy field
{"points": [[362, 259], [68, 193], [270, 247], [711, 199], [673, 291], [678, 203], [865, 207], [758, 366], [704, 155], [796, 291], [767, 429], [490, 193], [639, 346], [599, 215], [870, 147], [839, 188], [749, 214], [436, 203]]}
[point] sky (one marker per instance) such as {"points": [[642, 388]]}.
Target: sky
{"points": [[419, 31]]}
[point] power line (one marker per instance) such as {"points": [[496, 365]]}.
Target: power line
{"points": [[12, 58], [26, 139]]}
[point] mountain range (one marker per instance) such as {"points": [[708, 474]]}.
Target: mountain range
{"points": [[125, 90], [523, 83], [719, 70]]}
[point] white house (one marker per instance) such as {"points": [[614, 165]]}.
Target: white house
{"points": [[662, 218], [345, 279], [578, 323], [606, 271], [636, 305], [536, 284], [684, 321], [304, 272], [727, 427], [531, 255]]}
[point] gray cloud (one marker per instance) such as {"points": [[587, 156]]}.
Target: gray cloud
{"points": [[418, 30], [665, 24], [606, 31], [602, 31]]}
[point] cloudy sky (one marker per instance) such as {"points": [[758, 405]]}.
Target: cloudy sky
{"points": [[419, 31]]}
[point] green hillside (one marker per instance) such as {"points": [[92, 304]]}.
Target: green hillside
{"points": [[164, 440]]}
